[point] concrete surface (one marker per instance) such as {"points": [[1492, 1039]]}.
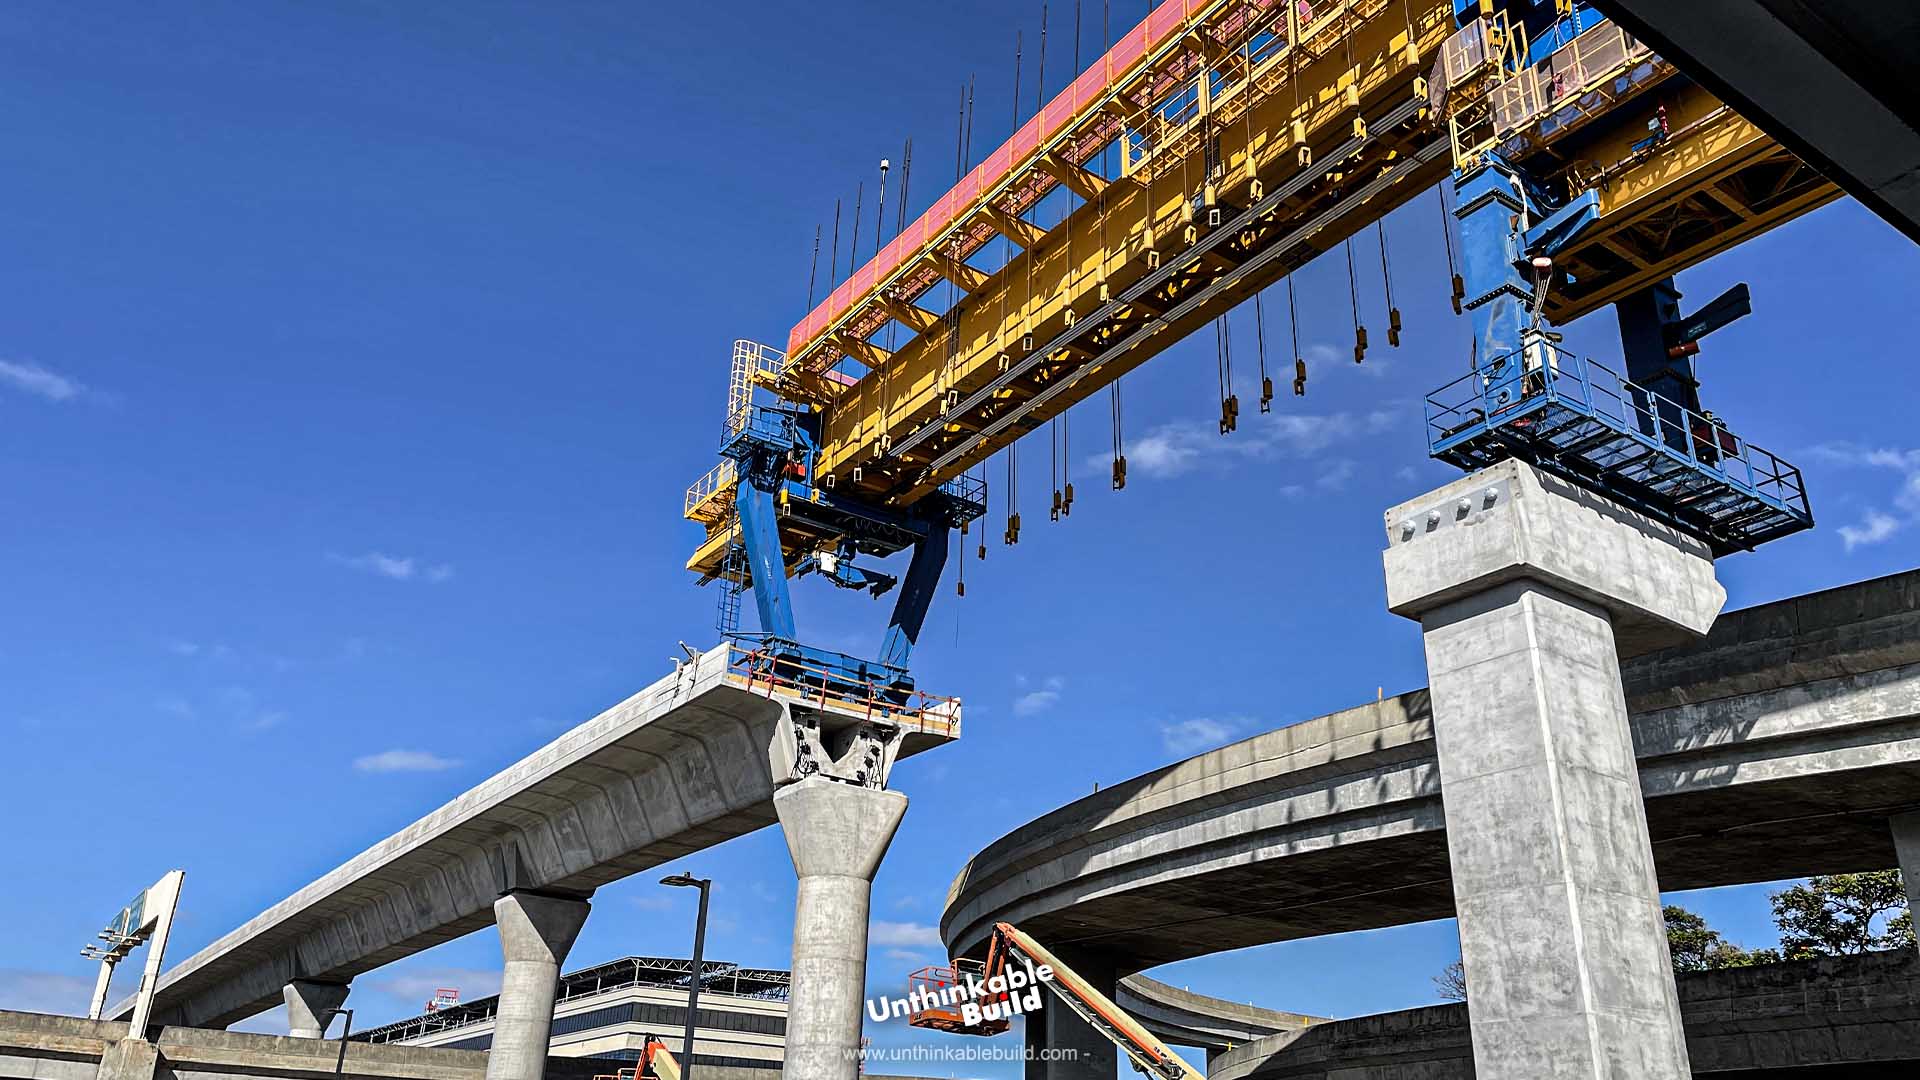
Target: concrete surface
{"points": [[837, 834], [1778, 747], [678, 767], [1511, 522], [310, 1007], [1561, 933], [36, 1046], [1060, 1045], [536, 933], [1856, 1017], [1185, 1018], [1831, 81], [1906, 846]]}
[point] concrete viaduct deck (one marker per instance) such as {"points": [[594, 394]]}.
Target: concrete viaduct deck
{"points": [[684, 764], [1214, 1024], [1779, 746]]}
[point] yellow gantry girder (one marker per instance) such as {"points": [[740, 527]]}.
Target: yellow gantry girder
{"points": [[1260, 137]]}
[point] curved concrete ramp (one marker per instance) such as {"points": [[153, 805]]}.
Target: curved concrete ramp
{"points": [[1776, 748], [680, 766], [1860, 1014], [1189, 1019]]}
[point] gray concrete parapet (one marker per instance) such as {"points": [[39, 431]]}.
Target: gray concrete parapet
{"points": [[836, 834], [536, 933]]}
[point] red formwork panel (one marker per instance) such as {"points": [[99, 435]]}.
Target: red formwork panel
{"points": [[1117, 63]]}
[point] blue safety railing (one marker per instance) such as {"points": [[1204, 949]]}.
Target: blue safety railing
{"points": [[1579, 418]]}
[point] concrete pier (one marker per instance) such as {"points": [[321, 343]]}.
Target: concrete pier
{"points": [[1906, 846], [536, 933], [1528, 591], [310, 1006], [1060, 1045], [836, 834]]}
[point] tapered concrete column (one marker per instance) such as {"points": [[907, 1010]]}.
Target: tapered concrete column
{"points": [[310, 1005], [837, 834], [536, 932], [1060, 1045], [1528, 591], [1906, 847]]}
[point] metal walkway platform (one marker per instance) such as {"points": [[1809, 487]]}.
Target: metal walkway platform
{"points": [[1580, 419]]}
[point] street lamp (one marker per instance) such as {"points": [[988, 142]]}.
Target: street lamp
{"points": [[346, 1029], [699, 944]]}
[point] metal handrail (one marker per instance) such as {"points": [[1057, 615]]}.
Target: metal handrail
{"points": [[1656, 421], [759, 666]]}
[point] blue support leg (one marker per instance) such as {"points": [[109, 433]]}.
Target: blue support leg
{"points": [[1491, 210], [916, 594], [760, 532]]}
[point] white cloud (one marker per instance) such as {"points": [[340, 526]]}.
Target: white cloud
{"points": [[37, 380], [1874, 528], [1337, 474], [22, 990], [1878, 525], [1180, 447], [271, 1022], [902, 956], [904, 935], [419, 986], [403, 761], [1039, 699], [396, 567], [1187, 737]]}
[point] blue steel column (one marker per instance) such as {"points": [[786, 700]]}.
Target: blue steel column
{"points": [[916, 595], [1492, 213], [760, 532]]}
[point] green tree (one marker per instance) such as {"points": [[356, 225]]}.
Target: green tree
{"points": [[1843, 914], [1698, 947]]}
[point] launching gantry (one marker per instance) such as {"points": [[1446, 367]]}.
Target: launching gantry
{"points": [[1214, 149]]}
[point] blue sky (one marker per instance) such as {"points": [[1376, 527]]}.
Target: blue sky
{"points": [[354, 358]]}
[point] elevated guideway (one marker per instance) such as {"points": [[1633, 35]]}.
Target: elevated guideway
{"points": [[1214, 1024], [1780, 746], [689, 762]]}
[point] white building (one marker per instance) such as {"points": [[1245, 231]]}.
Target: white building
{"points": [[608, 1011]]}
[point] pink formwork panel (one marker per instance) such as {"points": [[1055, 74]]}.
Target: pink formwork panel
{"points": [[1163, 22]]}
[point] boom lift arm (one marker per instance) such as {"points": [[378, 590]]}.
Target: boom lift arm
{"points": [[1010, 946]]}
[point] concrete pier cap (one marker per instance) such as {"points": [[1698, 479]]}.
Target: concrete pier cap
{"points": [[1512, 522], [536, 933], [310, 1005]]}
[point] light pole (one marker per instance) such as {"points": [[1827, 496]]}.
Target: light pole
{"points": [[699, 944], [346, 1029]]}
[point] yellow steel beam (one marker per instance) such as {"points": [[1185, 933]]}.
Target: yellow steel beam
{"points": [[1081, 181], [1018, 230], [912, 316], [969, 279], [1645, 197], [1033, 293]]}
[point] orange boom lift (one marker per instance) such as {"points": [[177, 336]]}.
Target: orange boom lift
{"points": [[1009, 946]]}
